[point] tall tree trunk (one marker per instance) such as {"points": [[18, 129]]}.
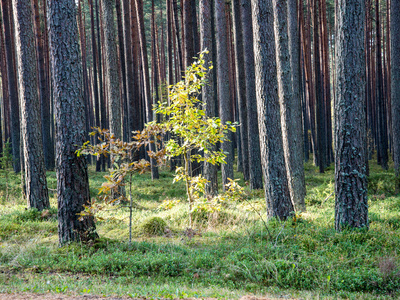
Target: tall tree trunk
{"points": [[178, 40], [241, 87], [133, 102], [255, 166], [292, 131], [4, 85], [225, 109], [72, 175], [48, 147], [169, 43], [122, 73], [208, 91], [146, 78], [380, 101], [103, 106], [111, 59], [273, 161], [351, 208], [320, 104], [95, 78], [188, 29], [35, 170], [395, 86], [12, 86]]}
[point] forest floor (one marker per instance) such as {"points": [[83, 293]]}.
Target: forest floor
{"points": [[232, 253], [32, 296]]}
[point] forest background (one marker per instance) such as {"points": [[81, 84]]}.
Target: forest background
{"points": [[311, 231]]}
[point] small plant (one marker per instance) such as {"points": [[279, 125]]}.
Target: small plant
{"points": [[124, 166], [153, 226], [191, 129]]}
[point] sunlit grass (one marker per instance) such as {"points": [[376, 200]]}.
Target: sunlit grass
{"points": [[233, 252]]}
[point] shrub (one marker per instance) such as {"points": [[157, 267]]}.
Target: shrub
{"points": [[153, 226]]}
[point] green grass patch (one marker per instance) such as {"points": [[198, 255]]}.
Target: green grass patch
{"points": [[229, 253]]}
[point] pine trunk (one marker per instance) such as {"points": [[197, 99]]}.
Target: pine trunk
{"points": [[35, 170], [351, 208], [269, 121], [224, 97], [72, 174], [395, 80]]}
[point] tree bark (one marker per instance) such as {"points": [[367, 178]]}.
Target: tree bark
{"points": [[146, 78], [255, 169], [395, 80], [241, 87], [72, 175], [35, 170], [12, 86], [111, 59], [208, 91], [269, 121], [48, 146], [351, 208], [293, 141], [225, 109]]}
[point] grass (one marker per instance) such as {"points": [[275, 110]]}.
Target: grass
{"points": [[231, 254]]}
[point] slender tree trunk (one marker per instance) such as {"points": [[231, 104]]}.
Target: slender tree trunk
{"points": [[4, 84], [95, 78], [48, 147], [12, 86], [255, 166], [103, 106], [289, 67], [320, 105], [395, 86], [241, 87], [205, 17], [225, 109], [273, 161], [145, 69], [35, 170], [122, 72], [169, 43], [380, 101], [178, 40], [112, 83], [351, 208]]}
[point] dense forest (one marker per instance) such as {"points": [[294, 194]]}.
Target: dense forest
{"points": [[254, 106]]}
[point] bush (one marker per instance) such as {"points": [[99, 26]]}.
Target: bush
{"points": [[153, 226]]}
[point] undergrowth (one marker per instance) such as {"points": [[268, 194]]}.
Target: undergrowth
{"points": [[231, 251]]}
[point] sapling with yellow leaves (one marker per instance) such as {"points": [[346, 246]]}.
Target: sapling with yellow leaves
{"points": [[191, 129]]}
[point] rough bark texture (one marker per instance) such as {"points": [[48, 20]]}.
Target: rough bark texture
{"points": [[12, 86], [35, 170], [225, 109], [146, 78], [188, 36], [112, 83], [255, 169], [291, 108], [44, 88], [382, 142], [319, 97], [351, 209], [269, 121], [72, 175], [205, 16], [395, 81], [241, 88], [133, 104]]}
